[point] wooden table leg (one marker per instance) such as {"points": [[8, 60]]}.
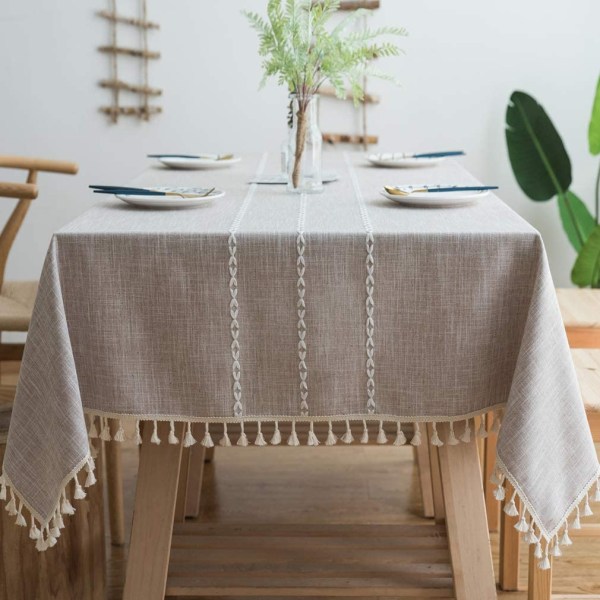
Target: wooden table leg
{"points": [[439, 509], [194, 484], [491, 504], [466, 521], [539, 585], [114, 485], [154, 512], [423, 463], [509, 546]]}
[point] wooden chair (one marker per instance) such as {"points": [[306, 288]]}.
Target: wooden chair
{"points": [[75, 568], [17, 299], [580, 310]]}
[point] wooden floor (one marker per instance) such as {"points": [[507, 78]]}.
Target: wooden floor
{"points": [[352, 486]]}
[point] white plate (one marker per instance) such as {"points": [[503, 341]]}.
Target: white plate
{"points": [[437, 199], [171, 201], [398, 161], [282, 179], [198, 163]]}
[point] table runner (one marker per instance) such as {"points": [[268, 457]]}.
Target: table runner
{"points": [[265, 307]]}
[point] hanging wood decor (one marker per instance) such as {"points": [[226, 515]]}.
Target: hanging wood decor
{"points": [[363, 139], [119, 87]]}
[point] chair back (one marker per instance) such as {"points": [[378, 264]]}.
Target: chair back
{"points": [[25, 193]]}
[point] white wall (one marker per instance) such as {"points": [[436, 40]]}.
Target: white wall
{"points": [[463, 59]]}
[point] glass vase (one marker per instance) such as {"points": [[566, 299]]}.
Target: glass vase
{"points": [[305, 147]]}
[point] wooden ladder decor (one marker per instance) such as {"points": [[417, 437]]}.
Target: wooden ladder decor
{"points": [[363, 139], [144, 91]]}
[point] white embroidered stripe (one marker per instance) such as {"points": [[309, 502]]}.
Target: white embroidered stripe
{"points": [[370, 284], [301, 268], [236, 370]]}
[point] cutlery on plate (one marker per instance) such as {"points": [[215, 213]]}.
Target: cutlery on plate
{"points": [[409, 189], [396, 156], [200, 156], [132, 191]]}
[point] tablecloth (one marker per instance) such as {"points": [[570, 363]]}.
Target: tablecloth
{"points": [[268, 307]]}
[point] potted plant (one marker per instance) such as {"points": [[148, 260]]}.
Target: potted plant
{"points": [[543, 170], [302, 52]]}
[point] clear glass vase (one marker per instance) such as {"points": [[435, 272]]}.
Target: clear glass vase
{"points": [[305, 147]]}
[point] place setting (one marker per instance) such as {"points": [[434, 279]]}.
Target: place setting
{"points": [[161, 196], [196, 161], [407, 160], [436, 196]]}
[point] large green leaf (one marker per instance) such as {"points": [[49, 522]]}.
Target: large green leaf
{"points": [[537, 154], [586, 270], [594, 129], [577, 220]]}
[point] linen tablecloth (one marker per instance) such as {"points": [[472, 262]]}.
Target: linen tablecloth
{"points": [[265, 307]]}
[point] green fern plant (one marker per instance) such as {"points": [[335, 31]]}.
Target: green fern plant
{"points": [[302, 52]]}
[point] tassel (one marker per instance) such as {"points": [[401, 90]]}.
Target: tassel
{"points": [[381, 437], [364, 438], [54, 528], [21, 522], [497, 478], [500, 493], [50, 539], [41, 543], [538, 551], [452, 441], [497, 422], [312, 438], [533, 539], [225, 442], [522, 525], [92, 432], [466, 436], [400, 437], [331, 437], [3, 488], [207, 441], [482, 431], [260, 438], [11, 507], [66, 506], [435, 438], [138, 436], [416, 438], [587, 510], [79, 493], [173, 439], [597, 494], [276, 439], [293, 439], [243, 439], [189, 439], [105, 433], [155, 439], [120, 435], [556, 551], [34, 532], [510, 508], [91, 478], [576, 523], [544, 564], [348, 438], [566, 540]]}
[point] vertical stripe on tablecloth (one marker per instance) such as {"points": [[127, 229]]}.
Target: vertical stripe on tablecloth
{"points": [[370, 283], [301, 267], [233, 291]]}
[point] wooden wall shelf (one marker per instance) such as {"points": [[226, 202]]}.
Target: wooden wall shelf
{"points": [[344, 138], [140, 111], [114, 84], [356, 4], [128, 20], [129, 51], [328, 91]]}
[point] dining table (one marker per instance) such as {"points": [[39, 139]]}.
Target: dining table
{"points": [[266, 318]]}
